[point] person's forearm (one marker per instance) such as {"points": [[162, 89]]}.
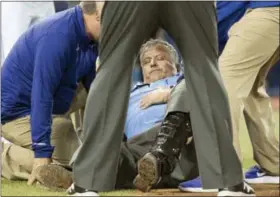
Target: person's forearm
{"points": [[41, 121], [41, 118]]}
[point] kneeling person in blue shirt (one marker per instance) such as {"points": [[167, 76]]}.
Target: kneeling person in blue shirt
{"points": [[39, 80]]}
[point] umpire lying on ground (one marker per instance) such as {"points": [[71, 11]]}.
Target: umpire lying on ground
{"points": [[146, 110]]}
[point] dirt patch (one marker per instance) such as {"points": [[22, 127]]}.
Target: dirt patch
{"points": [[261, 190]]}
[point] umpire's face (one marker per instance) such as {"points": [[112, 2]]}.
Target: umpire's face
{"points": [[157, 63]]}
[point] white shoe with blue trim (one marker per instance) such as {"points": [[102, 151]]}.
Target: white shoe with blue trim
{"points": [[256, 175]]}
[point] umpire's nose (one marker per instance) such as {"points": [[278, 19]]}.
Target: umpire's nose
{"points": [[153, 63]]}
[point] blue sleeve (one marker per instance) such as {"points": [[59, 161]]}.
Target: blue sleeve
{"points": [[91, 60], [87, 80], [52, 55]]}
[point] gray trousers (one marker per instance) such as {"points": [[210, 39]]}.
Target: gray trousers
{"points": [[125, 26], [136, 147]]}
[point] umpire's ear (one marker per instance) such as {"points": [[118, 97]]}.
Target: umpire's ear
{"points": [[178, 67]]}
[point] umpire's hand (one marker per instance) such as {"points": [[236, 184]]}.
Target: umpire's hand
{"points": [[158, 96]]}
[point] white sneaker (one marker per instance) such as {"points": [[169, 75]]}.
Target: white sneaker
{"points": [[242, 189], [74, 190], [256, 175]]}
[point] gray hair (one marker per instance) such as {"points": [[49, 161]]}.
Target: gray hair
{"points": [[157, 42], [88, 7]]}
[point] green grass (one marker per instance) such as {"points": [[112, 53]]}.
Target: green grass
{"points": [[19, 188]]}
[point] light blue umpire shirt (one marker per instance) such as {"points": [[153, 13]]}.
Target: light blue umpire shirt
{"points": [[140, 120]]}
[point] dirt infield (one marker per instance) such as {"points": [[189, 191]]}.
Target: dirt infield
{"points": [[261, 190]]}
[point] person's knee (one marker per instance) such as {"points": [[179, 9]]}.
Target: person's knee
{"points": [[61, 127], [18, 132]]}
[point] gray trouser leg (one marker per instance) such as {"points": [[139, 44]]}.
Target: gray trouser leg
{"points": [[179, 98], [125, 26], [193, 27], [138, 146]]}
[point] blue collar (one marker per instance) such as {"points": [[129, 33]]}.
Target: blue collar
{"points": [[141, 84], [84, 39]]}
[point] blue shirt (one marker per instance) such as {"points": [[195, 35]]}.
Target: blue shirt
{"points": [[230, 12], [263, 4], [139, 120], [40, 75]]}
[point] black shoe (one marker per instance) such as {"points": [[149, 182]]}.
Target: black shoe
{"points": [[242, 189], [161, 161], [75, 190], [174, 133]]}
